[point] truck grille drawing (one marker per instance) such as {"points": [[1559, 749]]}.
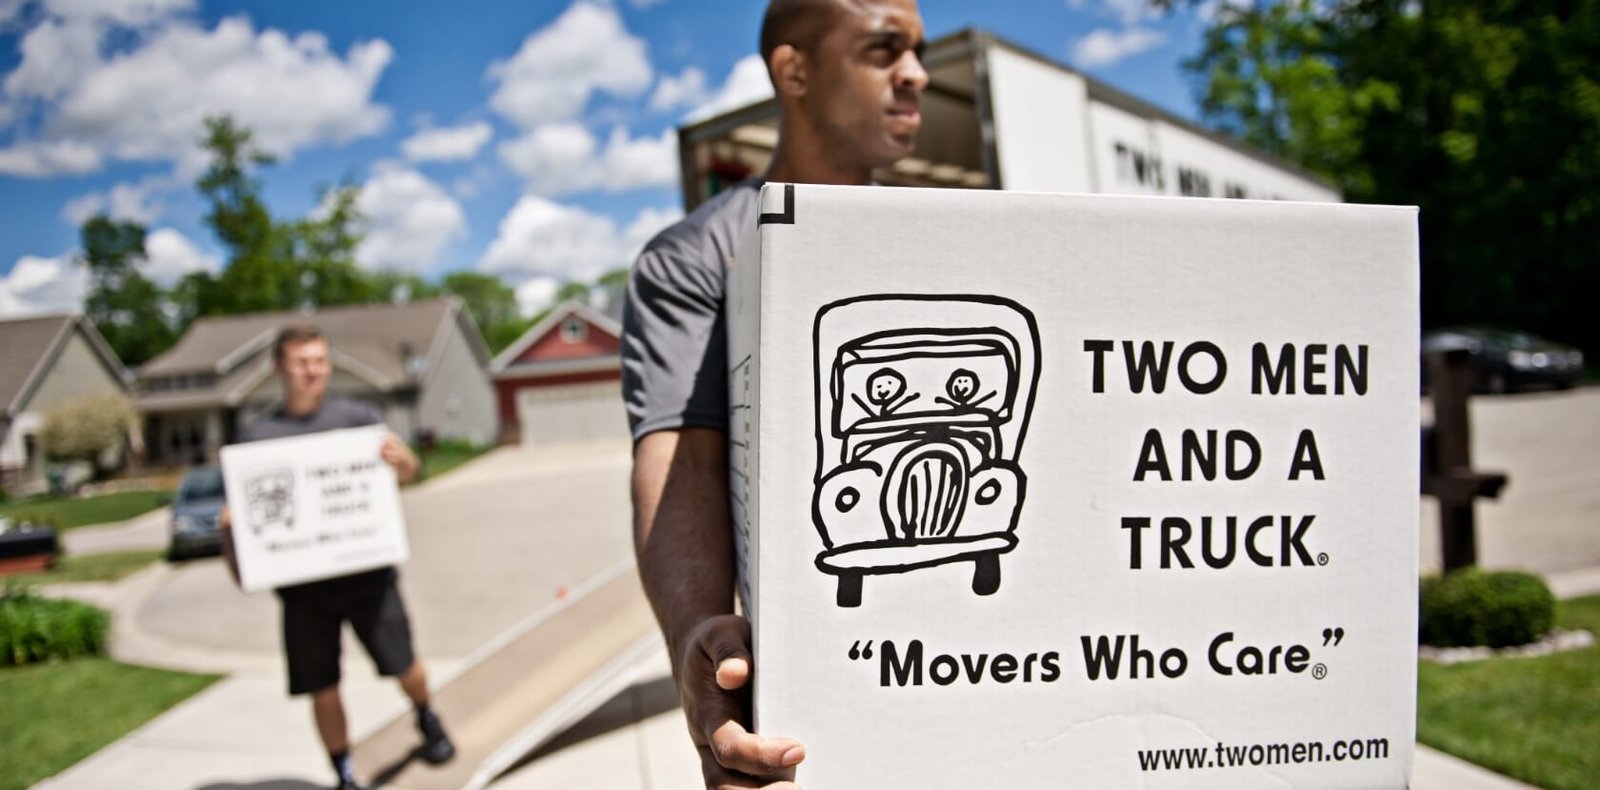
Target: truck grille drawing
{"points": [[269, 498], [922, 405]]}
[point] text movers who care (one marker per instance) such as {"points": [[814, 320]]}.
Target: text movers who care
{"points": [[312, 507], [1044, 490]]}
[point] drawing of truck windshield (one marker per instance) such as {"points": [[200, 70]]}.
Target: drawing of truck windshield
{"points": [[922, 406]]}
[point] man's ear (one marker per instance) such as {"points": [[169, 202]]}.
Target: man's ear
{"points": [[790, 71]]}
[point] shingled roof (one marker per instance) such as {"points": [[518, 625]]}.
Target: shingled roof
{"points": [[371, 341], [29, 345]]}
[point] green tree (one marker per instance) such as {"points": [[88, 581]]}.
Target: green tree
{"points": [[325, 252], [261, 273], [492, 304], [1484, 113], [1266, 73], [125, 306]]}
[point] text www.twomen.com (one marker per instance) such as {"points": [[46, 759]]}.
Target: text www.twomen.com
{"points": [[1224, 756]]}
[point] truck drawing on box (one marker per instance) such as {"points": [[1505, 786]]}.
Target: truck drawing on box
{"points": [[922, 406], [269, 498]]}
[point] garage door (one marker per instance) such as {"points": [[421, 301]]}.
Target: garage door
{"points": [[571, 413]]}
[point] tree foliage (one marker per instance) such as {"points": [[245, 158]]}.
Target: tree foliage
{"points": [[492, 304], [124, 305], [1485, 113]]}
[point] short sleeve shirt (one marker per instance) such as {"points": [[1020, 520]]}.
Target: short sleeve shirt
{"points": [[335, 413], [674, 333]]}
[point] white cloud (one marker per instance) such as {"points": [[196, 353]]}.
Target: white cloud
{"points": [[632, 163], [169, 255], [448, 144], [554, 159], [9, 9], [43, 285], [135, 202], [542, 239], [685, 90], [145, 102], [409, 221], [537, 294], [43, 158], [1104, 46], [125, 12], [561, 158], [1128, 12], [645, 226], [747, 83], [559, 67]]}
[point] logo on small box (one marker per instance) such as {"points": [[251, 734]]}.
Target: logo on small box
{"points": [[922, 406]]}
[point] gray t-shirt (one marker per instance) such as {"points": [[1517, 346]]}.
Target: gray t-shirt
{"points": [[334, 414], [674, 336]]}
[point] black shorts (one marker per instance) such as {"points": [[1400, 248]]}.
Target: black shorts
{"points": [[314, 612]]}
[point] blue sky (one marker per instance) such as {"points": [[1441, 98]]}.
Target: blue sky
{"points": [[530, 139]]}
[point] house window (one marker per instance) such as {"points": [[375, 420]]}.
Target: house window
{"points": [[574, 330]]}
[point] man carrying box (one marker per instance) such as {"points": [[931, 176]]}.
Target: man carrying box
{"points": [[313, 613], [848, 76]]}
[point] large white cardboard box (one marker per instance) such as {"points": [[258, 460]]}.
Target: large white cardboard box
{"points": [[1042, 491], [312, 507]]}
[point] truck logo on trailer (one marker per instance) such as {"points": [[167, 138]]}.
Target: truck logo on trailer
{"points": [[922, 406]]}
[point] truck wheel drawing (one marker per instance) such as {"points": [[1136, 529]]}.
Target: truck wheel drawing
{"points": [[269, 499], [922, 406]]}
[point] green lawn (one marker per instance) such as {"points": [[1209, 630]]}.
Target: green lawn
{"points": [[57, 714], [448, 455], [66, 513], [88, 568], [1536, 719]]}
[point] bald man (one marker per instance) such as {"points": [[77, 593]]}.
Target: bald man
{"points": [[848, 77]]}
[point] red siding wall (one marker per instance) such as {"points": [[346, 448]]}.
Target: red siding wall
{"points": [[596, 343]]}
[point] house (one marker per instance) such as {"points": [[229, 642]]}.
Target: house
{"points": [[422, 364], [561, 381], [46, 361]]}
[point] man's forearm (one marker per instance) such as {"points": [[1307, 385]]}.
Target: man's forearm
{"points": [[681, 534]]}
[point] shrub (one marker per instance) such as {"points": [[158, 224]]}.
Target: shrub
{"points": [[1475, 607], [92, 428], [41, 629]]}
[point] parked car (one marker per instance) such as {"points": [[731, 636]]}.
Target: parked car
{"points": [[1506, 360], [195, 509]]}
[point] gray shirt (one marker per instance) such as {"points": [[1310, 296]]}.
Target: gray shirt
{"points": [[335, 413], [674, 336]]}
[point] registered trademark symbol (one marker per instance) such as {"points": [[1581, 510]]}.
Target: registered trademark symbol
{"points": [[1322, 559], [1319, 671]]}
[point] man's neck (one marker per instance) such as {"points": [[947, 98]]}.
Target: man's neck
{"points": [[803, 159], [301, 407]]}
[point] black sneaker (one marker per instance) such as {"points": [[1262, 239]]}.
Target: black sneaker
{"points": [[436, 746]]}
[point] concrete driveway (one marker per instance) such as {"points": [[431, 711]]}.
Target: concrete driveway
{"points": [[490, 543], [1548, 518]]}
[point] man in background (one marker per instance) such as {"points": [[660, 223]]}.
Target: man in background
{"points": [[314, 613], [848, 76]]}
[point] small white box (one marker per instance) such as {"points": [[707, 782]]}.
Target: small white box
{"points": [[312, 507], [1047, 490]]}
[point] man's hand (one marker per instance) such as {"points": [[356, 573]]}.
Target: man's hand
{"points": [[684, 543], [713, 684], [225, 528], [396, 454]]}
